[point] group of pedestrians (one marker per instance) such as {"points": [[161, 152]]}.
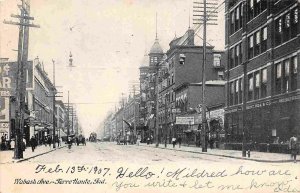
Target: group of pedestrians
{"points": [[176, 140]]}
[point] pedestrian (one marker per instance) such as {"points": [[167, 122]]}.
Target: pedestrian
{"points": [[179, 141], [211, 143], [23, 144], [3, 145], [45, 141], [33, 143], [148, 140], [12, 144], [138, 140], [49, 141], [174, 141], [293, 146]]}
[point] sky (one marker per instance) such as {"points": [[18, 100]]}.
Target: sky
{"points": [[108, 40]]}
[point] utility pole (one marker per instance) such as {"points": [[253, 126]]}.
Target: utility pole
{"points": [[166, 117], [123, 129], [68, 120], [209, 14], [54, 93], [134, 126], [156, 106], [24, 25], [245, 83]]}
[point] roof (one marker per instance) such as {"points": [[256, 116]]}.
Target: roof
{"points": [[156, 48]]}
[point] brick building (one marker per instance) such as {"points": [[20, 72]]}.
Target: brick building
{"points": [[148, 71], [183, 65], [263, 47]]}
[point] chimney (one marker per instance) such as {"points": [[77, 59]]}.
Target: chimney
{"points": [[191, 34]]}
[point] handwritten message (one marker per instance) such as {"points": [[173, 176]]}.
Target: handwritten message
{"points": [[122, 178]]}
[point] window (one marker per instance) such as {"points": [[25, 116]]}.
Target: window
{"points": [[241, 53], [278, 78], [256, 7], [264, 80], [231, 93], [286, 27], [241, 90], [236, 19], [286, 75], [220, 75], [257, 85], [232, 29], [250, 87], [217, 60], [232, 58], [182, 59], [294, 70], [294, 23], [295, 20], [236, 55], [264, 39], [236, 94], [257, 43], [251, 9], [251, 50], [287, 20]]}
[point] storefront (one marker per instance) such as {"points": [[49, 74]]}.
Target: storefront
{"points": [[271, 121]]}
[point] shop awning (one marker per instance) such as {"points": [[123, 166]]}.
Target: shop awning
{"points": [[62, 133], [3, 130]]}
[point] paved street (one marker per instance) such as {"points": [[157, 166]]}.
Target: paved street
{"points": [[146, 155], [169, 166]]}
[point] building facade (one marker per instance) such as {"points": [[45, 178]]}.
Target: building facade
{"points": [[42, 104], [183, 65], [262, 78], [61, 118], [148, 71]]}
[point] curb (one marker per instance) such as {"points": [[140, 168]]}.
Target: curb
{"points": [[28, 158], [227, 156]]}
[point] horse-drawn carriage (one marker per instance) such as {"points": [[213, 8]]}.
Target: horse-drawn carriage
{"points": [[81, 140]]}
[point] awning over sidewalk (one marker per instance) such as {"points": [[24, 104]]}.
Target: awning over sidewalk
{"points": [[62, 133]]}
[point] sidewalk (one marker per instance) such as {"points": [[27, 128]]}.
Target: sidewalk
{"points": [[7, 156], [254, 155]]}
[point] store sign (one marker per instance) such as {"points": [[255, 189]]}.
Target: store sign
{"points": [[4, 114], [185, 121], [8, 74], [258, 105], [292, 98], [8, 80]]}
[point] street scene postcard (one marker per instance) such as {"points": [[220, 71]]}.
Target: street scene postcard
{"points": [[149, 96]]}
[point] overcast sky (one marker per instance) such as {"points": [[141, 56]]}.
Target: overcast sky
{"points": [[108, 39]]}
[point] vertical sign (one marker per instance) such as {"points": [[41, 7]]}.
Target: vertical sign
{"points": [[5, 92], [8, 74]]}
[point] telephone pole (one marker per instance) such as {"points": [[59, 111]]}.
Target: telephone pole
{"points": [[134, 104], [24, 25], [68, 126], [207, 13], [54, 93]]}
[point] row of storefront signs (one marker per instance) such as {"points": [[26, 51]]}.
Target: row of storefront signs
{"points": [[263, 104], [197, 118], [8, 73]]}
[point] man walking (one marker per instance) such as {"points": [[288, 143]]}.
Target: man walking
{"points": [[174, 141], [293, 146], [33, 143]]}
